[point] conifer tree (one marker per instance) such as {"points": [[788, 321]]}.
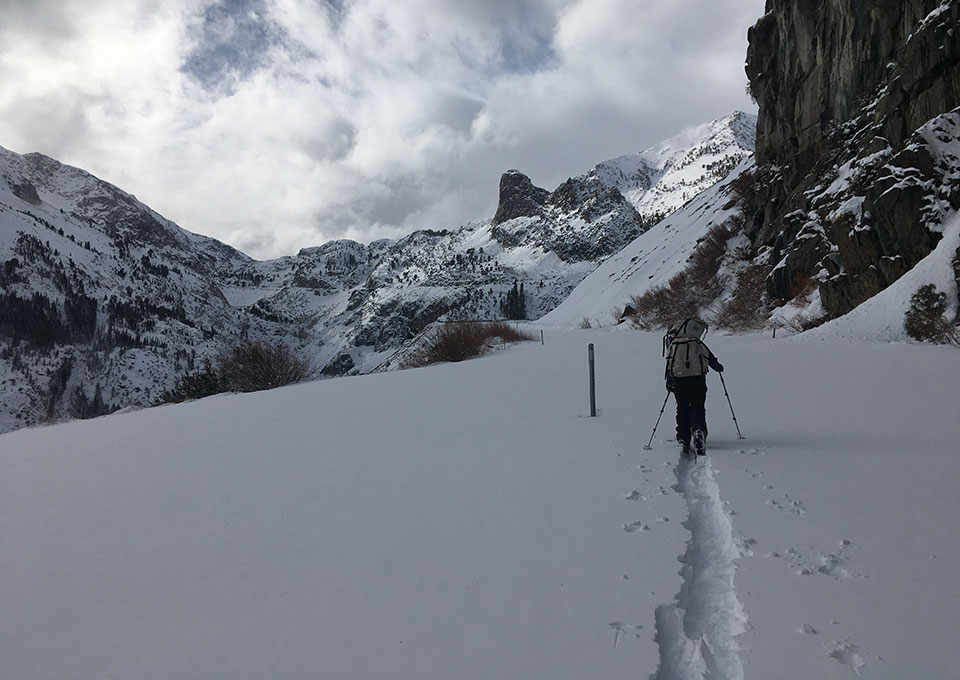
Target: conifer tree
{"points": [[925, 319]]}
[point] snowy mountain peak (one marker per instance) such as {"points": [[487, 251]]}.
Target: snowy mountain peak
{"points": [[664, 177], [738, 130]]}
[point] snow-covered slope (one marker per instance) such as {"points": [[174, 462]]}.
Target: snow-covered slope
{"points": [[469, 521], [655, 256]]}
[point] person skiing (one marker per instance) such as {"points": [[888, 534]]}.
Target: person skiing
{"points": [[688, 361]]}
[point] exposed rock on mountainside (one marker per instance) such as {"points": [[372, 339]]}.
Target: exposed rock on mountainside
{"points": [[519, 198], [815, 64], [858, 141], [581, 220]]}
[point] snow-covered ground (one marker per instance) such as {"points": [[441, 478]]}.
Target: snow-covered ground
{"points": [[471, 521]]}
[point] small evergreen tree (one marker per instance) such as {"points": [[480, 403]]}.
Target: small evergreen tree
{"points": [[515, 306], [203, 383], [925, 319]]}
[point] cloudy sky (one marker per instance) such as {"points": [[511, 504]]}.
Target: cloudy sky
{"points": [[278, 124]]}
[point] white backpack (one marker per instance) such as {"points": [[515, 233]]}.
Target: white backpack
{"points": [[687, 356]]}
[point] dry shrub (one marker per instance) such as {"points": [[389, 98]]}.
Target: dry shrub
{"points": [[250, 367], [746, 309], [801, 289], [804, 322], [707, 258], [508, 333], [653, 309], [460, 340], [255, 366], [203, 383], [662, 305], [689, 290], [746, 187]]}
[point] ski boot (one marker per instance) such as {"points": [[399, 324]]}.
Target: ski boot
{"points": [[700, 442]]}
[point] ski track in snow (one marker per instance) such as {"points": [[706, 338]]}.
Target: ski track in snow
{"points": [[697, 634]]}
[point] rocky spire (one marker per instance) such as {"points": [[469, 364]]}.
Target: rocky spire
{"points": [[519, 197]]}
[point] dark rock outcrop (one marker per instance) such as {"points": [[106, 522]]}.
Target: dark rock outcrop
{"points": [[27, 192], [339, 365], [583, 219], [854, 176], [519, 197]]}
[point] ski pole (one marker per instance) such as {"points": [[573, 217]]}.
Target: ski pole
{"points": [[722, 382], [647, 447]]}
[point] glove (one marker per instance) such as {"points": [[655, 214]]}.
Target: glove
{"points": [[669, 384]]}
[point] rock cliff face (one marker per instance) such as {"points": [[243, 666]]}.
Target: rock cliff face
{"points": [[519, 198], [814, 64], [857, 140]]}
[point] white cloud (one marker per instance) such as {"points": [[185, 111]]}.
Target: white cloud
{"points": [[297, 121]]}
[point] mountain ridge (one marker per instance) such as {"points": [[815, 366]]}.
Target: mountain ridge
{"points": [[106, 302]]}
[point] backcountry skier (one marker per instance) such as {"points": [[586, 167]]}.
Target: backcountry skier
{"points": [[688, 361]]}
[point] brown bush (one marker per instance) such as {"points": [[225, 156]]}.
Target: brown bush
{"points": [[801, 289], [689, 290], [746, 187], [255, 366], [460, 340], [707, 258], [747, 308], [197, 385], [250, 367], [662, 305]]}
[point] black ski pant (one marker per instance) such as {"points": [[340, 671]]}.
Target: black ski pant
{"points": [[691, 396]]}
